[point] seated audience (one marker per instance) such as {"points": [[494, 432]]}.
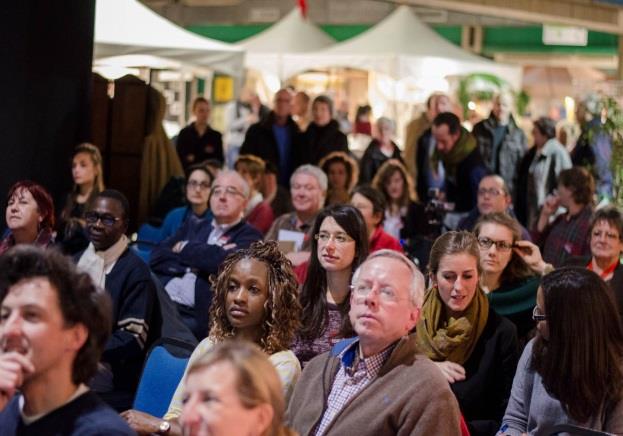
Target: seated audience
{"points": [[606, 242], [255, 299], [29, 216], [371, 204], [184, 262], [198, 141], [340, 244], [127, 279], [567, 235], [308, 188], [258, 212], [511, 270], [538, 171], [88, 176], [342, 172], [457, 149], [377, 383], [323, 134], [475, 348], [245, 394], [493, 197], [571, 373], [54, 325], [404, 216], [379, 150]]}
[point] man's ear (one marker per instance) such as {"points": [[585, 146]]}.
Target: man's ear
{"points": [[76, 337]]}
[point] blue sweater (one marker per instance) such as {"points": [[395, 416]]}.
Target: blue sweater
{"points": [[86, 415]]}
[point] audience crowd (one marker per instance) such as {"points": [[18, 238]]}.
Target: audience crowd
{"points": [[472, 285]]}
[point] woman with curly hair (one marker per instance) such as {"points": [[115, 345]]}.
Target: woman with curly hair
{"points": [[256, 299]]}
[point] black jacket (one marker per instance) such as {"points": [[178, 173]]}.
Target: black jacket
{"points": [[261, 142], [463, 191], [323, 140], [372, 160]]}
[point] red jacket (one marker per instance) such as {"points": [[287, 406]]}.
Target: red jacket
{"points": [[261, 217], [381, 239]]}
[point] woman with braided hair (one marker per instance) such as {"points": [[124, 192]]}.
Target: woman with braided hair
{"points": [[255, 299]]}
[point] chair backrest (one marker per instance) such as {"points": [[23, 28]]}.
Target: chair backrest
{"points": [[162, 372]]}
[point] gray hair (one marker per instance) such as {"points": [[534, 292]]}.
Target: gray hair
{"points": [[246, 191], [384, 121], [313, 171], [417, 283]]}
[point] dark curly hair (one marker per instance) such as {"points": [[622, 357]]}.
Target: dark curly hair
{"points": [[282, 308], [78, 299]]}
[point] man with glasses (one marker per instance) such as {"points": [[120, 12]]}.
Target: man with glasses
{"points": [[493, 196], [126, 278], [185, 261], [376, 383]]}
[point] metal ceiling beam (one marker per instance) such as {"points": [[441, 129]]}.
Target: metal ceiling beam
{"points": [[590, 14]]}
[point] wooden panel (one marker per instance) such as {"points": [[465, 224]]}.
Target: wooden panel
{"points": [[100, 111], [125, 177], [128, 116]]}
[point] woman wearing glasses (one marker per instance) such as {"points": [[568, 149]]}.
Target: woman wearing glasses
{"points": [[511, 270], [29, 216], [339, 246], [571, 372], [606, 240], [198, 182], [474, 347]]}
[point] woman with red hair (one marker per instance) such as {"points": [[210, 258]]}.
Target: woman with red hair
{"points": [[29, 216]]}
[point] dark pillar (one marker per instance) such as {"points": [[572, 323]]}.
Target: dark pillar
{"points": [[45, 65]]}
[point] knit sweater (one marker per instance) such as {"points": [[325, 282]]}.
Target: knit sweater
{"points": [[409, 396], [532, 410]]}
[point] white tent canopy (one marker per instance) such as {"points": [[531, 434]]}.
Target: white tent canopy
{"points": [[292, 34], [401, 46], [126, 27]]}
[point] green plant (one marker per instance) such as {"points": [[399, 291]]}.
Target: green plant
{"points": [[612, 124], [467, 93]]}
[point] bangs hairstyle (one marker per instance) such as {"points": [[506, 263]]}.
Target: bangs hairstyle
{"points": [[314, 290], [517, 268], [257, 381], [199, 167], [78, 299], [385, 172], [453, 243], [580, 182], [282, 308], [42, 197], [611, 215], [580, 363]]}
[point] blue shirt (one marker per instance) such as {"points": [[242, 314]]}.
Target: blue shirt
{"points": [[284, 145]]}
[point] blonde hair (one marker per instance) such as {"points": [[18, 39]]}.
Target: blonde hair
{"points": [[257, 381]]}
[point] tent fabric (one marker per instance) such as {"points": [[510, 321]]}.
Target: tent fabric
{"points": [[401, 46], [126, 27], [292, 34]]}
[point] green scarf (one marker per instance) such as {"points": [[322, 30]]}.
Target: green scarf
{"points": [[463, 147], [442, 337]]}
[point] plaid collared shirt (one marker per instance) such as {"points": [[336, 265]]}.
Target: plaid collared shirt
{"points": [[566, 237], [350, 380]]}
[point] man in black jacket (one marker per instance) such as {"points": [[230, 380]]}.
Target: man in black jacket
{"points": [[277, 139]]}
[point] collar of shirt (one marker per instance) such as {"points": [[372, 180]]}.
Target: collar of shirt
{"points": [[300, 225], [81, 389], [218, 230], [353, 361]]}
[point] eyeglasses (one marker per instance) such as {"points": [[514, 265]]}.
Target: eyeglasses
{"points": [[494, 192], [107, 219], [385, 293], [486, 243], [230, 191], [608, 235], [195, 184], [339, 238], [537, 315]]}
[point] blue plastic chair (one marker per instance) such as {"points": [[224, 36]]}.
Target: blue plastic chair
{"points": [[162, 373]]}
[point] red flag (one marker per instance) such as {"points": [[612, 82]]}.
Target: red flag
{"points": [[303, 7]]}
